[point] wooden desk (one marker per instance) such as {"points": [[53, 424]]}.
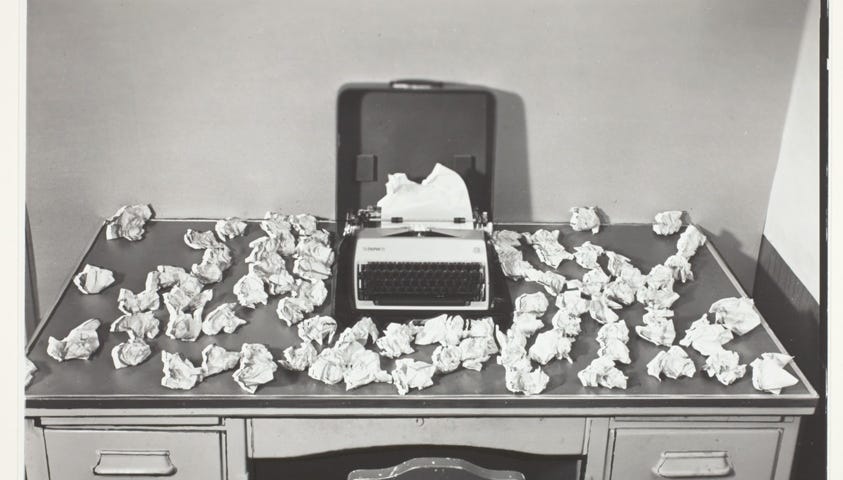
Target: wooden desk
{"points": [[78, 409]]}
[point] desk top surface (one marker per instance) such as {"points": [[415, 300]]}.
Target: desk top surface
{"points": [[95, 383]]}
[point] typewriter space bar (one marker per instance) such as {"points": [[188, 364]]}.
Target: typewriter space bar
{"points": [[420, 301]]}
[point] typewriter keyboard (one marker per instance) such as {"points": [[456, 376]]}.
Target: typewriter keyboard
{"points": [[421, 283]]}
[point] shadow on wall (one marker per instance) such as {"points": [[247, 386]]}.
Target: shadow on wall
{"points": [[511, 189], [734, 254]]}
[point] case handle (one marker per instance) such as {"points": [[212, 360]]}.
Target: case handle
{"points": [[151, 463], [416, 84], [693, 464]]}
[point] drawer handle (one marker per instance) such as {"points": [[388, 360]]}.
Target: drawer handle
{"points": [[152, 463], [693, 464]]}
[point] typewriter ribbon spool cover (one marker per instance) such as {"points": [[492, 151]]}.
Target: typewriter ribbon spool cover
{"points": [[400, 267]]}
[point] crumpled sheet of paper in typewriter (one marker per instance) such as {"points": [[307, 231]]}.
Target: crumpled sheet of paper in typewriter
{"points": [[681, 268], [667, 223], [179, 372], [128, 222], [547, 247], [317, 329], [250, 290], [586, 255], [363, 369], [658, 327], [585, 218], [216, 359], [549, 345], [443, 329], [409, 373], [526, 324], [304, 223], [738, 314], [475, 351], [535, 303], [573, 302], [298, 358], [29, 370], [689, 241], [503, 239], [594, 281], [361, 332], [230, 227], [201, 240], [769, 375], [257, 367], [311, 269], [620, 291], [706, 337], [277, 224], [92, 280], [145, 301], [396, 340], [552, 282], [513, 346], [442, 196], [80, 343], [513, 264], [223, 318], [215, 261], [602, 309], [601, 372], [568, 324], [725, 365], [130, 353], [186, 326], [137, 325], [673, 363], [520, 378], [446, 358]]}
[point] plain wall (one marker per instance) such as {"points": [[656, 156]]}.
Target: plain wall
{"points": [[215, 108], [793, 214]]}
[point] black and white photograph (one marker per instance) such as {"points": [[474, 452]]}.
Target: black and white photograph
{"points": [[395, 240]]}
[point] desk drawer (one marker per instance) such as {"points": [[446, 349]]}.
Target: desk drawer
{"points": [[137, 454], [659, 453], [292, 437]]}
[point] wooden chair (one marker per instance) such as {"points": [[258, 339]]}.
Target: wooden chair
{"points": [[435, 468]]}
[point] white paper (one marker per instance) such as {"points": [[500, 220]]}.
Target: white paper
{"points": [[481, 327], [257, 367], [363, 369], [443, 329], [29, 370], [314, 292], [409, 373], [291, 310], [250, 291], [616, 263], [506, 238], [673, 363], [223, 318], [513, 347], [526, 324], [92, 280], [128, 222], [586, 255], [169, 275], [725, 365], [567, 323], [276, 225], [601, 372], [298, 358], [328, 366], [230, 227], [585, 218], [314, 249], [552, 282], [549, 345], [705, 337], [738, 314], [573, 302], [446, 358], [547, 247], [535, 303], [80, 343], [396, 340], [186, 326], [658, 327], [667, 223], [145, 301], [216, 359], [601, 308], [475, 351], [614, 349], [617, 330], [521, 379], [689, 241], [442, 196], [137, 325], [267, 252], [321, 235], [513, 264], [620, 291], [681, 268], [304, 223], [361, 332], [769, 375], [594, 281], [215, 261], [179, 372], [311, 269], [201, 240], [317, 328], [130, 353], [277, 282]]}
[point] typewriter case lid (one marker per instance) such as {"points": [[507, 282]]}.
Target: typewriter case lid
{"points": [[409, 126]]}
